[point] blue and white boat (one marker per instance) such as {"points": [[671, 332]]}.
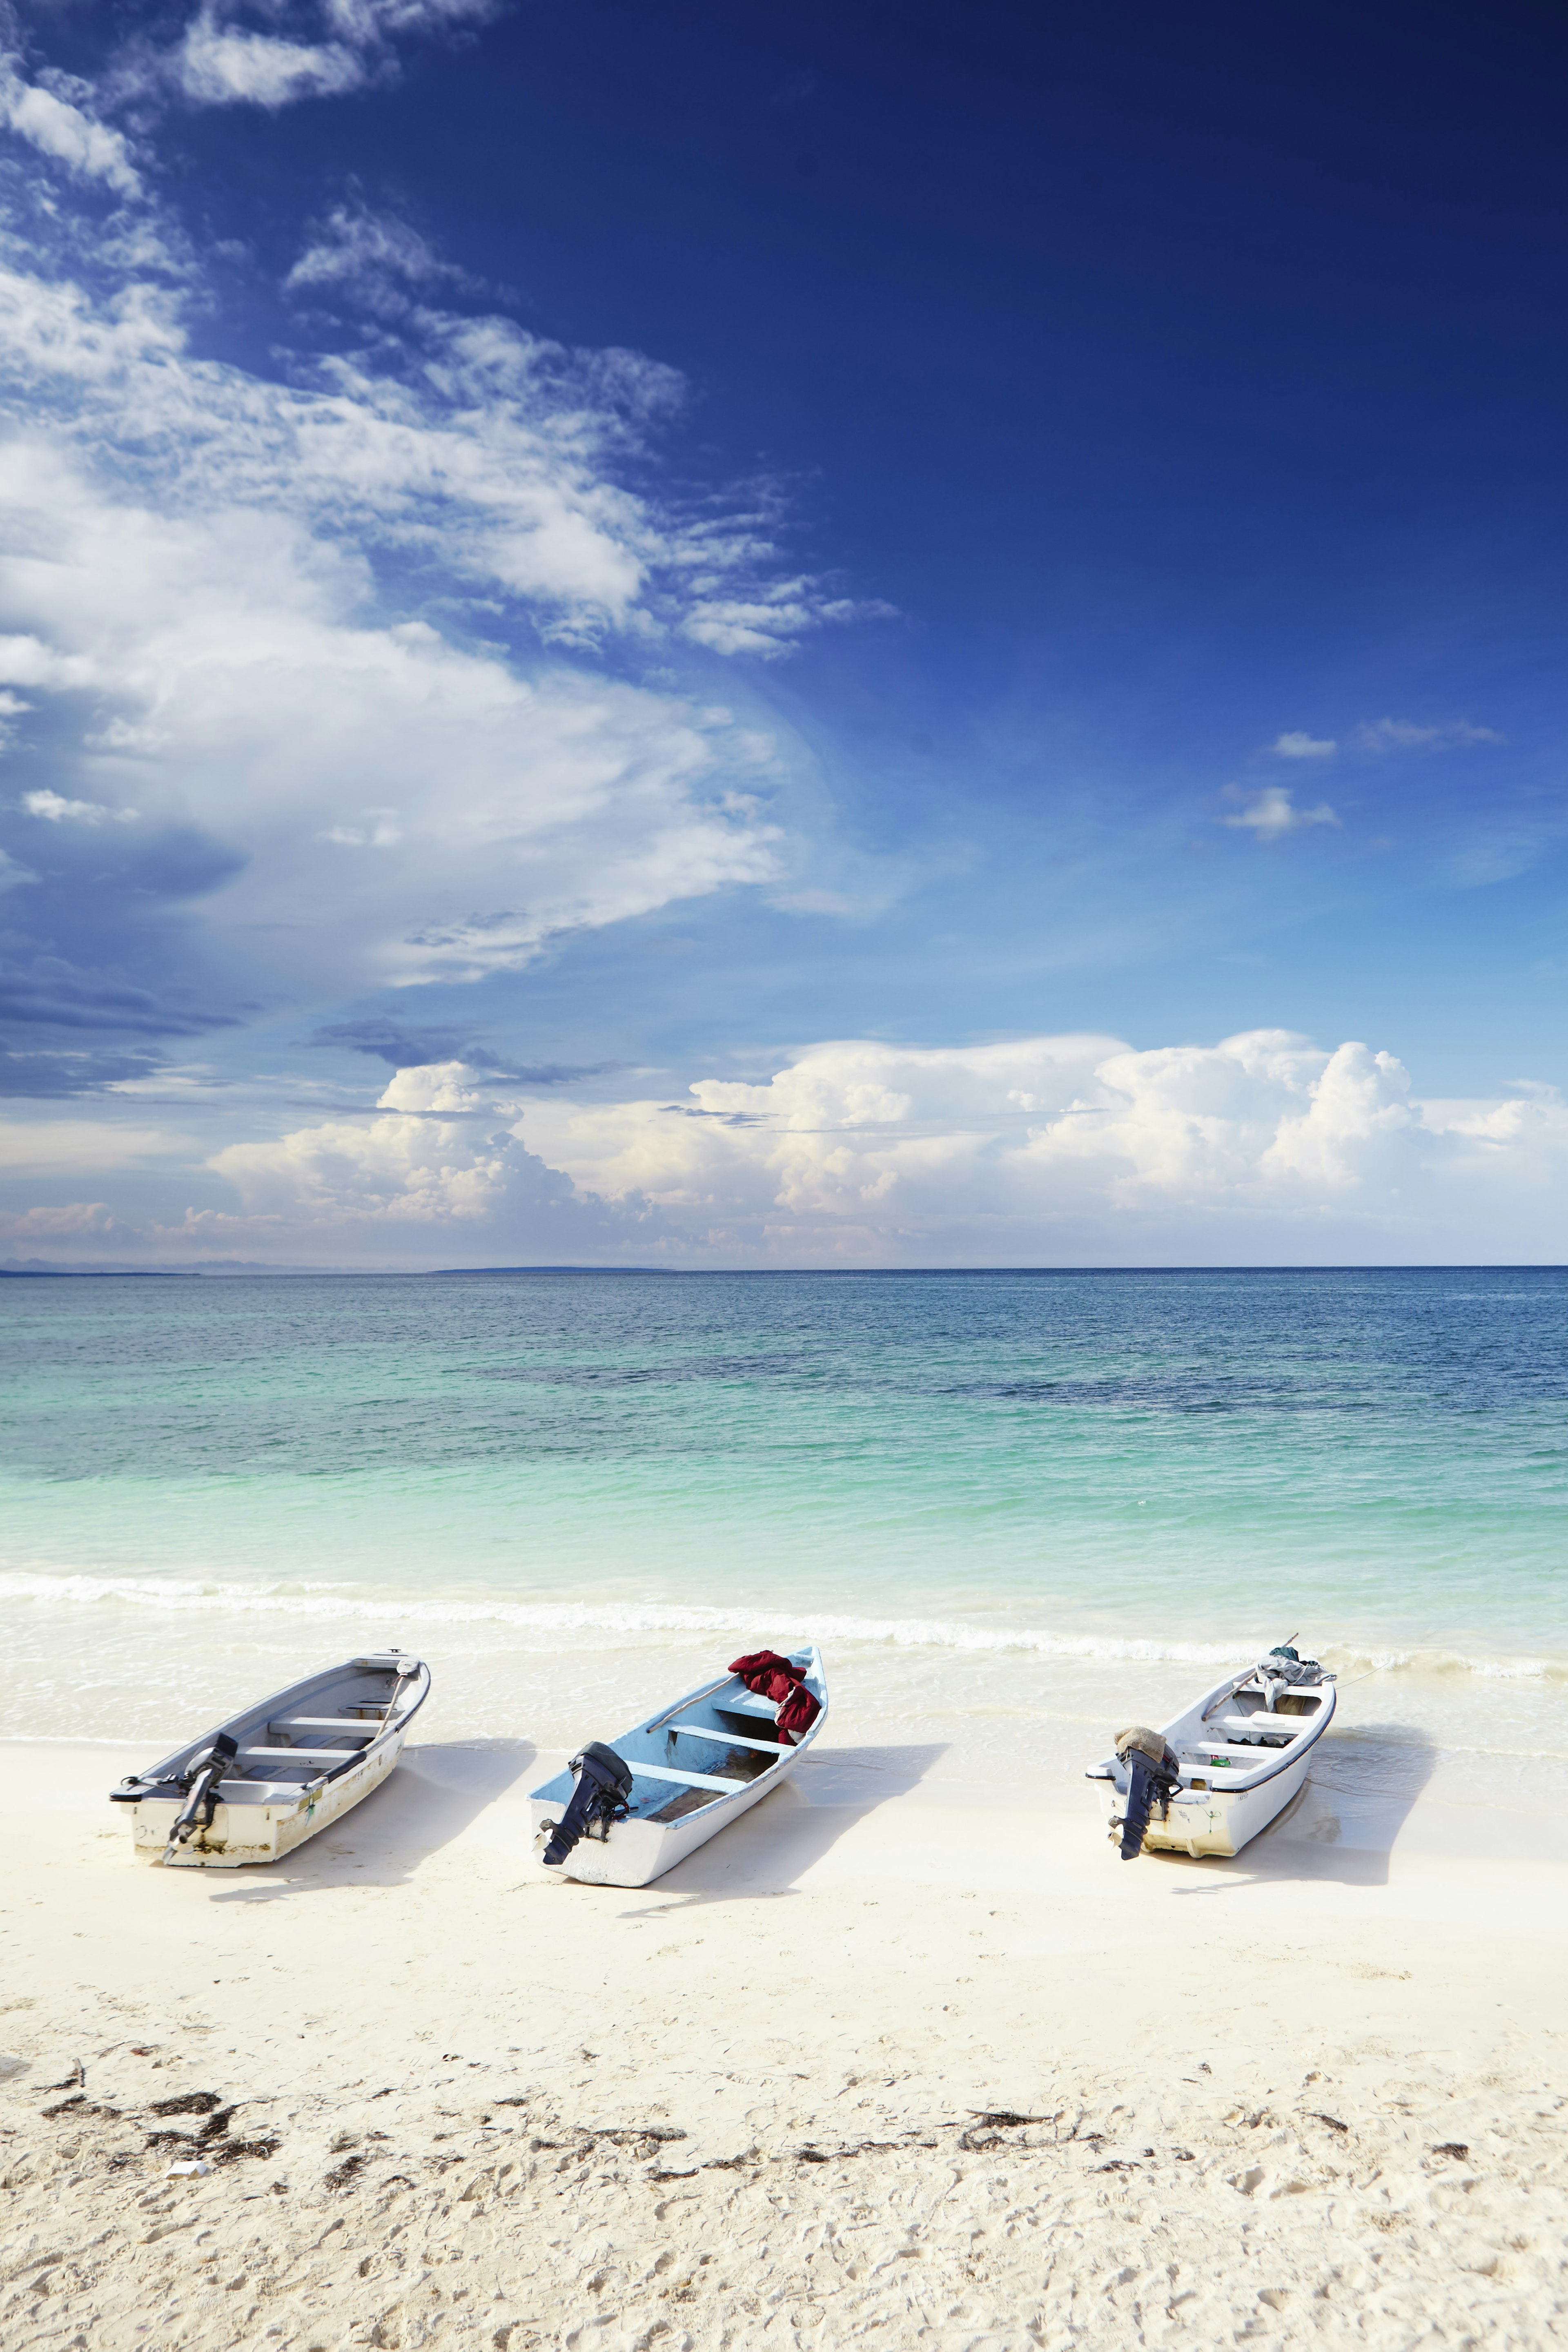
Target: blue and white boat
{"points": [[654, 1795]]}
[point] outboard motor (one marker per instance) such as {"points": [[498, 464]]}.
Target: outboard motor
{"points": [[200, 1779], [1154, 1774], [601, 1798]]}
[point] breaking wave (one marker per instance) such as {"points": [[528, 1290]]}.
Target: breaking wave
{"points": [[400, 1614]]}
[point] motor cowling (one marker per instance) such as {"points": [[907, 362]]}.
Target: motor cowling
{"points": [[1154, 1775], [601, 1798], [201, 1779]]}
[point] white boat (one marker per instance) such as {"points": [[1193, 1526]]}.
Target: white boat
{"points": [[694, 1767], [273, 1775], [1230, 1765]]}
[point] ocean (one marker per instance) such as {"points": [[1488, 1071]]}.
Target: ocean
{"points": [[1017, 1510]]}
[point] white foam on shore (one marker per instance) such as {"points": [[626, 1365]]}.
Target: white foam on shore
{"points": [[549, 1620]]}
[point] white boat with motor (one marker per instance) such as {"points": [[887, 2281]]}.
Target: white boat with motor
{"points": [[1225, 1768], [275, 1773], [645, 1801]]}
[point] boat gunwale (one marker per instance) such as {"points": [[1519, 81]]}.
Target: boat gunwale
{"points": [[159, 1783], [1311, 1732], [757, 1785]]}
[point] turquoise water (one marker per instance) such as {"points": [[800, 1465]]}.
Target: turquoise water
{"points": [[1032, 1491]]}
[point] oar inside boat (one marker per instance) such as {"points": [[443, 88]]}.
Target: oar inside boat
{"points": [[601, 1798], [200, 1780]]}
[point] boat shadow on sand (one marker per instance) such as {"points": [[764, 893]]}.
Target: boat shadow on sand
{"points": [[771, 1849], [1342, 1824], [431, 1798]]}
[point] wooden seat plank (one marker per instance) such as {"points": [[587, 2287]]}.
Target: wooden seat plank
{"points": [[722, 1739], [686, 1779]]}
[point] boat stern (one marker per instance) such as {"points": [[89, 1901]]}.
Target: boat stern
{"points": [[238, 1834], [1196, 1821]]}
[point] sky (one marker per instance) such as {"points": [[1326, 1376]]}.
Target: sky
{"points": [[667, 635]]}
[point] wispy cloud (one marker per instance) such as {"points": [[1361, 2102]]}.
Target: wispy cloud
{"points": [[773, 621], [1296, 744], [1271, 814], [1405, 735], [220, 59], [375, 260], [227, 640], [58, 119], [55, 809], [409, 1046]]}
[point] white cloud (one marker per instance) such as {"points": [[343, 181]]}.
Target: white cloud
{"points": [[774, 622], [1271, 814], [1079, 1149], [55, 810], [217, 631], [69, 1220], [51, 1147], [374, 257], [66, 132], [473, 814], [1298, 745], [216, 66], [1404, 735], [1071, 1150], [12, 873], [436, 1168], [337, 46], [395, 1168]]}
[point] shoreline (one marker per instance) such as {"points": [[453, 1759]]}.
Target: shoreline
{"points": [[461, 2079]]}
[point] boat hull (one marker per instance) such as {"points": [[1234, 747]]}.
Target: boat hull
{"points": [[637, 1851], [283, 1785], [1237, 1773], [262, 1832], [1218, 1822]]}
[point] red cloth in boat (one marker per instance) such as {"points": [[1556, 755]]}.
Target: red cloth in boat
{"points": [[771, 1676]]}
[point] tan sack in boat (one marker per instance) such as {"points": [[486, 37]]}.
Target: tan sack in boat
{"points": [[1149, 1743]]}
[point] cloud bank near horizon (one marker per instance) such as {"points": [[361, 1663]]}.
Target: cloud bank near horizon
{"points": [[1072, 1149]]}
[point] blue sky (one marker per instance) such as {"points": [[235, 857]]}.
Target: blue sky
{"points": [[788, 620]]}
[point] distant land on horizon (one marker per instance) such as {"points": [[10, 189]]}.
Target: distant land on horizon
{"points": [[223, 1271]]}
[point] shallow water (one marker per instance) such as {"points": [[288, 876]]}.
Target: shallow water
{"points": [[1017, 1510]]}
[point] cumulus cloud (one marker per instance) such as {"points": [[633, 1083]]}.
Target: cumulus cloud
{"points": [[436, 1166], [1405, 735], [1271, 814], [1298, 745], [1078, 1149], [68, 1221], [1066, 1150]]}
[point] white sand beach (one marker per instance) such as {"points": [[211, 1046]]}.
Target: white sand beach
{"points": [[891, 2062]]}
